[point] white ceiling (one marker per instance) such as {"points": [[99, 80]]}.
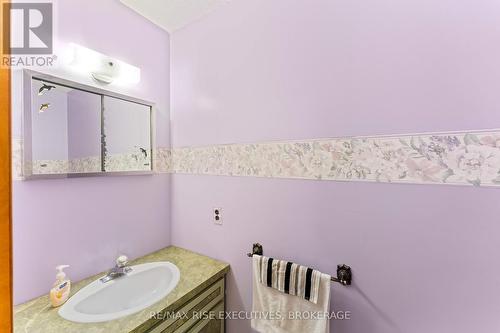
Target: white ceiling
{"points": [[173, 14]]}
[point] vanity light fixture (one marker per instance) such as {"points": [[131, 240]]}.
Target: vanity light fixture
{"points": [[100, 67]]}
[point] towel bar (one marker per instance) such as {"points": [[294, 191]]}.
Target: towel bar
{"points": [[344, 275]]}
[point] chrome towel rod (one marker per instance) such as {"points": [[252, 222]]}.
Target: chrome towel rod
{"points": [[344, 275]]}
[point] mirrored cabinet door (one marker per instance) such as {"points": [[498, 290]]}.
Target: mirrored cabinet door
{"points": [[127, 135], [72, 130], [65, 129]]}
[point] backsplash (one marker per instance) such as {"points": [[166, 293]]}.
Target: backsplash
{"points": [[461, 158]]}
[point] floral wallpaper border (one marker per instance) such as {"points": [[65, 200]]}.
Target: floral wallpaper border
{"points": [[459, 158], [462, 158], [77, 165], [17, 159], [91, 164], [127, 161], [163, 160]]}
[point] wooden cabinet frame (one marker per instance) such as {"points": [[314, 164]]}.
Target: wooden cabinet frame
{"points": [[5, 180]]}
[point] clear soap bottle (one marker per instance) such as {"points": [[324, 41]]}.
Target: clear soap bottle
{"points": [[61, 289]]}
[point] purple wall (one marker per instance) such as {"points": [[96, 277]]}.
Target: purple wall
{"points": [[288, 69], [87, 222]]}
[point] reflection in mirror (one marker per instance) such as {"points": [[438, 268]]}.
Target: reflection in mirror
{"points": [[76, 130], [65, 129], [127, 135]]}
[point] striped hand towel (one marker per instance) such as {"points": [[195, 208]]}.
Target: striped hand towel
{"points": [[290, 278]]}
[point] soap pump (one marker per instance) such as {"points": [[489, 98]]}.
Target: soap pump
{"points": [[61, 288]]}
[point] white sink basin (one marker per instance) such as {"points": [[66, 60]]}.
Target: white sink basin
{"points": [[145, 285]]}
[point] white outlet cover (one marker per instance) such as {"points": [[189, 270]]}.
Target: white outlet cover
{"points": [[219, 222]]}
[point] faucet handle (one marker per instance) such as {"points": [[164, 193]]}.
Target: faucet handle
{"points": [[121, 261]]}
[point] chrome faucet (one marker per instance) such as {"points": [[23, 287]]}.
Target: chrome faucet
{"points": [[120, 269]]}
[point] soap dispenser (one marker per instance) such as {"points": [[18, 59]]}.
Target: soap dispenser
{"points": [[61, 289]]}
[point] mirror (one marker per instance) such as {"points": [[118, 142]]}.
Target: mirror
{"points": [[75, 130], [65, 129], [127, 135]]}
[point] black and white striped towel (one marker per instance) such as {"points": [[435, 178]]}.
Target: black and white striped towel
{"points": [[290, 278]]}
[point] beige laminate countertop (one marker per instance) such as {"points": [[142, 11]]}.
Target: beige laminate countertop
{"points": [[197, 273]]}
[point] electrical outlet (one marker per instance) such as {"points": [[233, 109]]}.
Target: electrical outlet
{"points": [[217, 215]]}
